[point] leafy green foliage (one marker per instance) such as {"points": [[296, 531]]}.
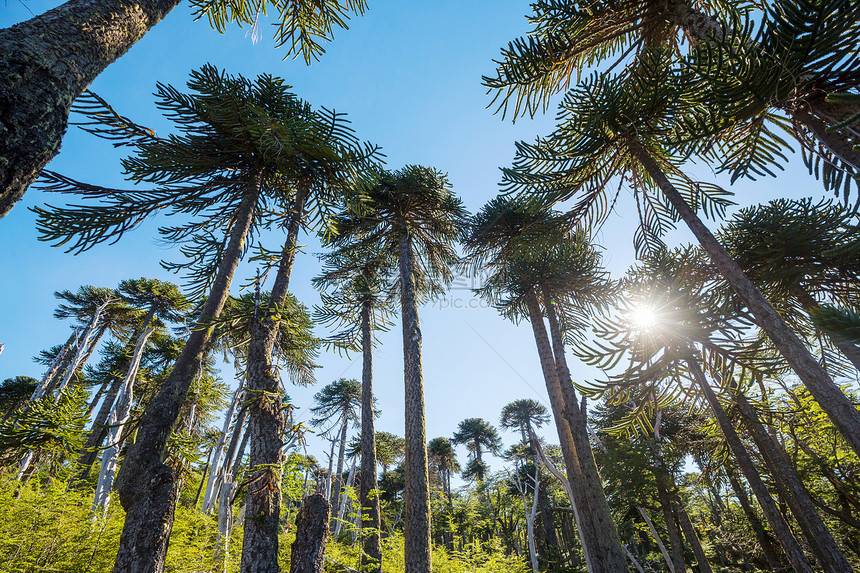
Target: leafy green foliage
{"points": [[55, 427]]}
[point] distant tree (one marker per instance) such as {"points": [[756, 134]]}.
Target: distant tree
{"points": [[478, 435]]}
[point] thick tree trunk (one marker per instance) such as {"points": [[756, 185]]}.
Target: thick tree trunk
{"points": [[832, 400], [817, 535], [146, 486], [116, 424], [848, 349], [266, 423], [370, 519], [46, 62], [417, 494], [585, 528], [697, 25], [609, 544], [308, 551], [774, 517], [762, 535]]}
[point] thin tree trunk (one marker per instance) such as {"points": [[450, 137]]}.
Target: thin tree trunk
{"points": [[816, 532], [678, 562], [777, 522], [690, 534], [266, 422], [55, 367], [207, 469], [371, 524], [669, 561], [46, 62], [764, 538], [417, 493], [146, 486], [344, 499], [341, 454], [829, 396], [584, 526], [208, 497], [838, 145], [609, 544], [84, 349], [116, 424]]}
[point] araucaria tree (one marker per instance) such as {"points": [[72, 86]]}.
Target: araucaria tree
{"points": [[48, 61], [414, 213], [477, 435], [232, 165]]}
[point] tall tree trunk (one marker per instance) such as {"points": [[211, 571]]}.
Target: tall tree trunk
{"points": [[146, 485], [116, 424], [417, 493], [838, 145], [89, 339], [341, 454], [690, 534], [371, 559], [762, 535], [848, 349], [266, 422], [669, 562], [344, 499], [585, 528], [56, 366], [98, 431], [609, 546], [774, 517], [208, 496], [46, 62], [817, 535], [829, 396]]}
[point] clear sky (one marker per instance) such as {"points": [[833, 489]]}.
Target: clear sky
{"points": [[409, 76]]}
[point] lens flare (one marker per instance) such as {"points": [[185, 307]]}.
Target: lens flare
{"points": [[644, 317]]}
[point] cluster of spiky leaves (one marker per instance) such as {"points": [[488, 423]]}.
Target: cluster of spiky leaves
{"points": [[350, 278], [339, 399], [233, 134], [296, 347], [645, 359], [301, 25], [524, 414], [53, 426], [414, 203]]}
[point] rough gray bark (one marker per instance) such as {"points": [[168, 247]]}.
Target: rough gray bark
{"points": [[802, 507], [146, 486], [609, 544], [371, 522], [829, 396], [745, 464], [308, 551], [266, 422], [697, 25], [209, 495], [46, 62], [585, 528], [762, 535], [417, 493]]}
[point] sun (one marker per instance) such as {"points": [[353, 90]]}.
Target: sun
{"points": [[644, 317]]}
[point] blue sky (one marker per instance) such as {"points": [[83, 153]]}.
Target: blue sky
{"points": [[408, 75]]}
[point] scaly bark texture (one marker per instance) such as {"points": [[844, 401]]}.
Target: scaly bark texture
{"points": [[371, 522], [146, 486], [266, 423], [829, 396], [817, 535], [46, 62], [609, 544], [308, 550], [745, 464], [417, 494], [585, 529]]}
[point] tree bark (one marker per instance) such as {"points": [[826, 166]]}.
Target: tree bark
{"points": [[829, 396], [146, 486], [46, 62], [690, 534], [697, 25], [417, 493], [674, 533], [764, 538], [56, 366], [308, 551], [584, 526], [266, 423], [816, 532], [371, 524], [777, 522], [609, 544], [837, 144], [341, 454], [209, 495], [669, 562]]}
